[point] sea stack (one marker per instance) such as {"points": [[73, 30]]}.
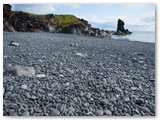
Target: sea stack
{"points": [[120, 28]]}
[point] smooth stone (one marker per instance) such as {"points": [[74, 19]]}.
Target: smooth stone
{"points": [[71, 109], [76, 44], [40, 75], [24, 87], [33, 97], [71, 44], [81, 94], [13, 114], [99, 112], [69, 70], [62, 76], [104, 101], [50, 94], [126, 99], [22, 71], [12, 43], [144, 109], [107, 112], [67, 84], [10, 88], [28, 95], [54, 112], [88, 95], [113, 99], [118, 89], [133, 88], [26, 113], [152, 80], [139, 101]]}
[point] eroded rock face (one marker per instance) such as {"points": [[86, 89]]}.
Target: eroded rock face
{"points": [[6, 16], [120, 28]]}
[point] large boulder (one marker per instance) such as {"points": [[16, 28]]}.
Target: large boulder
{"points": [[120, 28]]}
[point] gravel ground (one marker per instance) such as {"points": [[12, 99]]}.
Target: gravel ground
{"points": [[85, 76]]}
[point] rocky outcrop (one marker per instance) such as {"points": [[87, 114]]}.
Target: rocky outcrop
{"points": [[6, 17], [28, 22], [120, 28]]}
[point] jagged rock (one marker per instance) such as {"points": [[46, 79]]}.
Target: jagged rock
{"points": [[120, 28]]}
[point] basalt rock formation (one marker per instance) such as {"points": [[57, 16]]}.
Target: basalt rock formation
{"points": [[6, 17], [28, 22], [120, 28]]}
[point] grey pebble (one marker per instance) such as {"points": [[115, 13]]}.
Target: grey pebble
{"points": [[10, 88], [54, 112], [24, 87], [104, 101], [139, 101], [144, 109], [13, 114], [99, 112], [26, 113], [107, 112]]}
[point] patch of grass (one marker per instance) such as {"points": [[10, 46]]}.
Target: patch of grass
{"points": [[65, 20]]}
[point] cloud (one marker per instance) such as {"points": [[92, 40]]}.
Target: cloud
{"points": [[74, 6], [37, 8], [143, 23]]}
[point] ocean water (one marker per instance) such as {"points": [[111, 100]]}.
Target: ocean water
{"points": [[141, 36]]}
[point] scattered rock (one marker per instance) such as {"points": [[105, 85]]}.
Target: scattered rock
{"points": [[71, 44], [76, 44], [60, 75], [22, 71], [104, 102], [139, 101], [40, 75], [26, 113], [12, 43], [118, 89], [28, 95], [133, 88], [10, 88], [152, 80], [67, 84], [126, 99], [144, 109], [81, 55], [24, 87], [107, 112], [13, 114], [98, 112], [88, 95], [54, 112], [69, 70], [50, 94]]}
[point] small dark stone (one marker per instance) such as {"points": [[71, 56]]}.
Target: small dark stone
{"points": [[139, 101]]}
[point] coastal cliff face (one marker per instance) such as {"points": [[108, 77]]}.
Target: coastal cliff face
{"points": [[28, 22], [6, 18]]}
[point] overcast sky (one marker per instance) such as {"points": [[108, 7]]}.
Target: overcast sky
{"points": [[137, 17]]}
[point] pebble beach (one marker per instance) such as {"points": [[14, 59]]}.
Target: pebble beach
{"points": [[74, 75]]}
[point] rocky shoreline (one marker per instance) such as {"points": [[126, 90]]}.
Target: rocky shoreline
{"points": [[77, 76]]}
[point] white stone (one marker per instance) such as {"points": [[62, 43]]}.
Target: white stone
{"points": [[40, 75], [24, 87]]}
